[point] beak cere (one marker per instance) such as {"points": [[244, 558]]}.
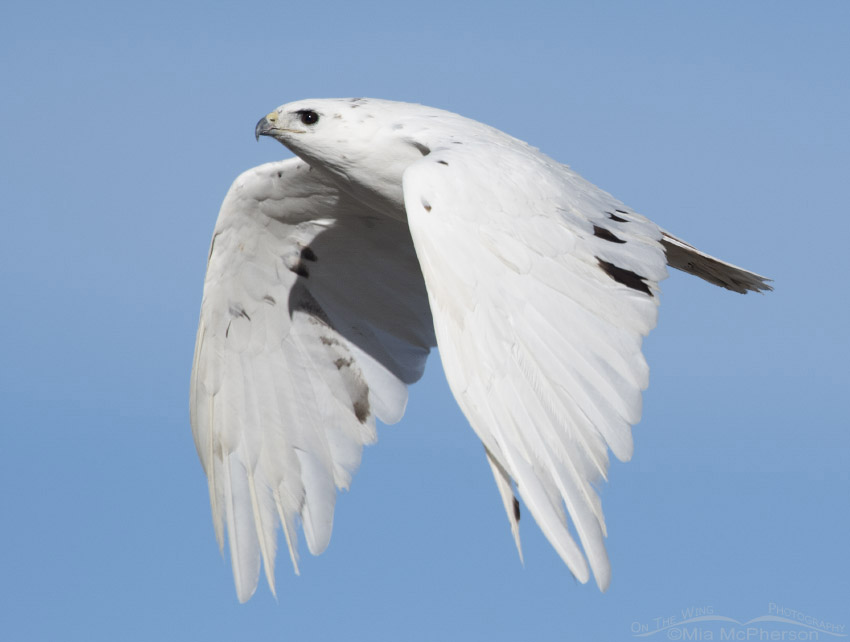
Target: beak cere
{"points": [[266, 124]]}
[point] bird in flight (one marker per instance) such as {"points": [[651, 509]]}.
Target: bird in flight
{"points": [[398, 228]]}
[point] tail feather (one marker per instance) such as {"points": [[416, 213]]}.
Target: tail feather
{"points": [[684, 256]]}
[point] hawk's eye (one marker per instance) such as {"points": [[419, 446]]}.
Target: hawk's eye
{"points": [[309, 117]]}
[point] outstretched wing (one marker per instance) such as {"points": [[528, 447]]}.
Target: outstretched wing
{"points": [[314, 319], [542, 287]]}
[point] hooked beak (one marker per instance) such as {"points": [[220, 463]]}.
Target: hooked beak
{"points": [[266, 125]]}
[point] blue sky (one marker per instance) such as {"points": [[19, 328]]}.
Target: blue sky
{"points": [[124, 125]]}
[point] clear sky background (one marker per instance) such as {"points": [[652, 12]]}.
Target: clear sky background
{"points": [[123, 125]]}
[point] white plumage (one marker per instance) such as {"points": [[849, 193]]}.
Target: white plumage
{"points": [[399, 228]]}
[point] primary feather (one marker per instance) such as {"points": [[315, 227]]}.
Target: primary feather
{"points": [[399, 228]]}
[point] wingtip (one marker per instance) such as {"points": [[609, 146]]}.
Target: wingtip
{"points": [[519, 547], [603, 582], [244, 593]]}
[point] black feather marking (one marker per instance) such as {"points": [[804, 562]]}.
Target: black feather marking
{"points": [[238, 312], [300, 269], [361, 409], [343, 363], [234, 314], [614, 217], [423, 149], [212, 246], [442, 162], [607, 235], [624, 276], [516, 509], [307, 254]]}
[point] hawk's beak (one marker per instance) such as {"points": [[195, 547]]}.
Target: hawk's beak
{"points": [[266, 125]]}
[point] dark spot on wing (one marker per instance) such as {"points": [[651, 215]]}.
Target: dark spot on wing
{"points": [[329, 341], [423, 149], [300, 269], [624, 276], [212, 246], [606, 235], [516, 509], [361, 408], [234, 313], [343, 363], [442, 162], [239, 312], [614, 217], [426, 205], [269, 299], [307, 254]]}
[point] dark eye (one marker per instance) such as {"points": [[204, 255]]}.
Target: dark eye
{"points": [[309, 117]]}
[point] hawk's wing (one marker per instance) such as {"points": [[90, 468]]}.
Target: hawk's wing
{"points": [[314, 319], [542, 288]]}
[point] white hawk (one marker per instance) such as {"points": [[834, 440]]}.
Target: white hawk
{"points": [[398, 228]]}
